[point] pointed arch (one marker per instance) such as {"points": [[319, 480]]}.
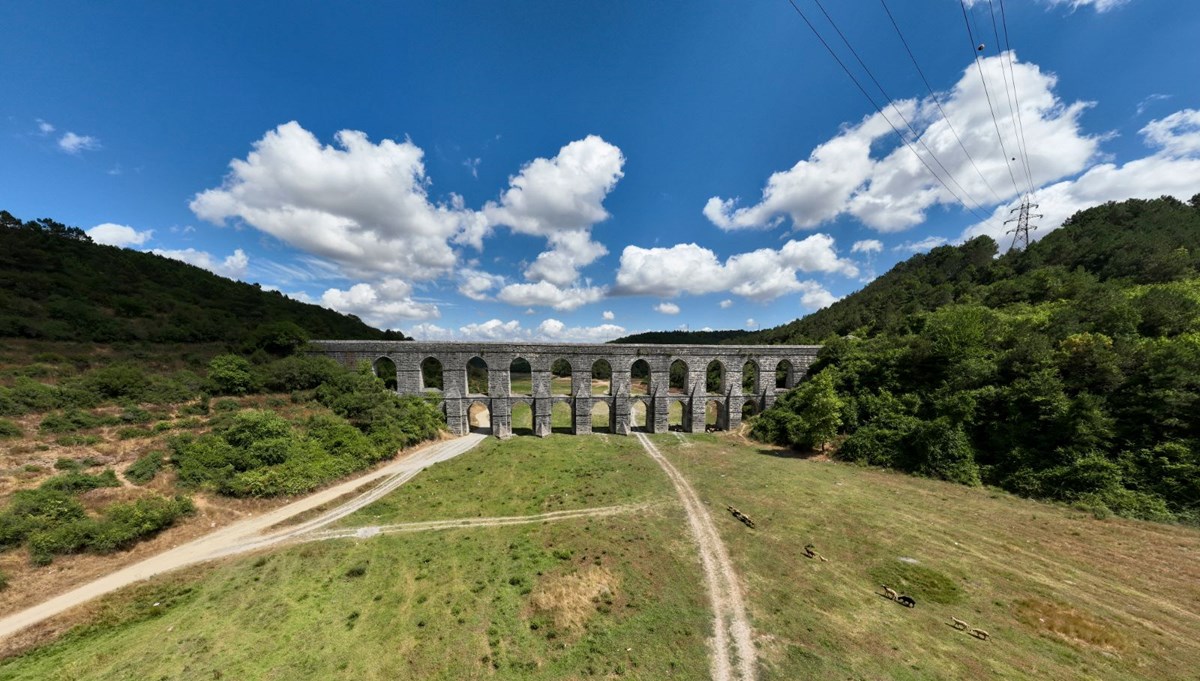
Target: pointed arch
{"points": [[520, 377], [431, 375], [385, 368], [714, 378], [784, 375], [560, 377], [479, 417], [639, 378], [677, 383], [601, 377], [477, 376], [601, 417], [750, 382]]}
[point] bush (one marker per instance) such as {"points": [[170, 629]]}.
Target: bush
{"points": [[119, 527], [70, 421], [117, 381], [133, 432], [75, 482], [230, 375], [9, 429], [298, 373], [145, 468]]}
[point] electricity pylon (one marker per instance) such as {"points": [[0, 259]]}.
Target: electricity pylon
{"points": [[1021, 231]]}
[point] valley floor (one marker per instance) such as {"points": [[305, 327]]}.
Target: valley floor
{"points": [[602, 579]]}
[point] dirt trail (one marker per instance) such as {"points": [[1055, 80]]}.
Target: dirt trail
{"points": [[733, 641], [247, 535], [373, 530]]}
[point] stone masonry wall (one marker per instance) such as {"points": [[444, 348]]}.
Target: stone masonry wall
{"points": [[456, 401]]}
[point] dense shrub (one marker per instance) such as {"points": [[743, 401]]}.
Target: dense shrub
{"points": [[74, 482], [72, 420], [145, 467], [9, 429], [119, 527], [230, 375], [298, 373]]}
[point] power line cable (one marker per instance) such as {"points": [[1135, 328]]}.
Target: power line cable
{"points": [[978, 209], [987, 93], [937, 101], [1012, 71], [878, 108], [1008, 96]]}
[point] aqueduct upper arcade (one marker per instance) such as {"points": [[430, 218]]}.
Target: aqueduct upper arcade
{"points": [[720, 381]]}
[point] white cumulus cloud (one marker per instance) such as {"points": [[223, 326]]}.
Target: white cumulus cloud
{"points": [[232, 266], [475, 284], [561, 199], [119, 235], [360, 204], [1173, 169], [764, 274], [867, 246], [75, 144], [546, 294], [891, 190], [667, 308], [382, 304], [608, 315]]}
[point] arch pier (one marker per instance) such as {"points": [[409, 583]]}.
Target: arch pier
{"points": [[500, 376]]}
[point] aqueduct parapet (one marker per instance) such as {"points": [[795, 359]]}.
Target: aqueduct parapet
{"points": [[693, 392]]}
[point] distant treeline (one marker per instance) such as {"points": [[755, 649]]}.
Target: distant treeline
{"points": [[56, 284]]}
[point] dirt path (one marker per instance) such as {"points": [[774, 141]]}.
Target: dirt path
{"points": [[733, 641], [247, 535], [373, 530]]}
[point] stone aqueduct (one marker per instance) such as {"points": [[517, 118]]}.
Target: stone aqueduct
{"points": [[790, 362]]}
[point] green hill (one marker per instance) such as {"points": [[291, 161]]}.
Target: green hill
{"points": [[1068, 371], [56, 284]]}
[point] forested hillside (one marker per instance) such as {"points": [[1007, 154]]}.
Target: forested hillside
{"points": [[1068, 371], [683, 337], [56, 284]]}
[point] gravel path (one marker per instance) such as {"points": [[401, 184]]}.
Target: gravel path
{"points": [[247, 535], [733, 641], [373, 530]]}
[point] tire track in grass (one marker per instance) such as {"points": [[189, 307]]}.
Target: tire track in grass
{"points": [[733, 655]]}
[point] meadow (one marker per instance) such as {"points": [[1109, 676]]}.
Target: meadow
{"points": [[1062, 593]]}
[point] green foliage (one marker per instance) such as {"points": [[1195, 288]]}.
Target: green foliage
{"points": [[145, 467], [259, 453], [297, 372], [1068, 371], [119, 527], [9, 429], [71, 421], [230, 375], [807, 417], [58, 285], [918, 581]]}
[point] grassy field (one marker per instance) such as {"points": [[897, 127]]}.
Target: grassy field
{"points": [[613, 597], [1063, 594]]}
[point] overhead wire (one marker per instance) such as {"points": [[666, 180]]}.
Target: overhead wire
{"points": [[879, 109], [1008, 96], [988, 95], [937, 100], [1012, 71], [916, 135]]}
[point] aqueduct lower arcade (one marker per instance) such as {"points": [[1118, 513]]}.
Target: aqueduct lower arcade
{"points": [[720, 381]]}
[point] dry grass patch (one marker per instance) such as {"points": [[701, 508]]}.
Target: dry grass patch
{"points": [[1070, 624], [570, 600]]}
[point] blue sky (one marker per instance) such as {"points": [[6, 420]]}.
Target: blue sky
{"points": [[564, 170]]}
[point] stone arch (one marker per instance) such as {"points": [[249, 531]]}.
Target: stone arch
{"points": [[477, 376], [675, 414], [562, 416], [639, 378], [750, 378], [784, 376], [560, 377], [385, 368], [520, 377], [601, 383], [639, 415], [749, 409], [677, 378], [602, 417], [479, 417], [714, 378], [522, 418], [431, 375], [715, 416]]}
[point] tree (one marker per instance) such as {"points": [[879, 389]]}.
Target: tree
{"points": [[230, 375], [820, 411]]}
